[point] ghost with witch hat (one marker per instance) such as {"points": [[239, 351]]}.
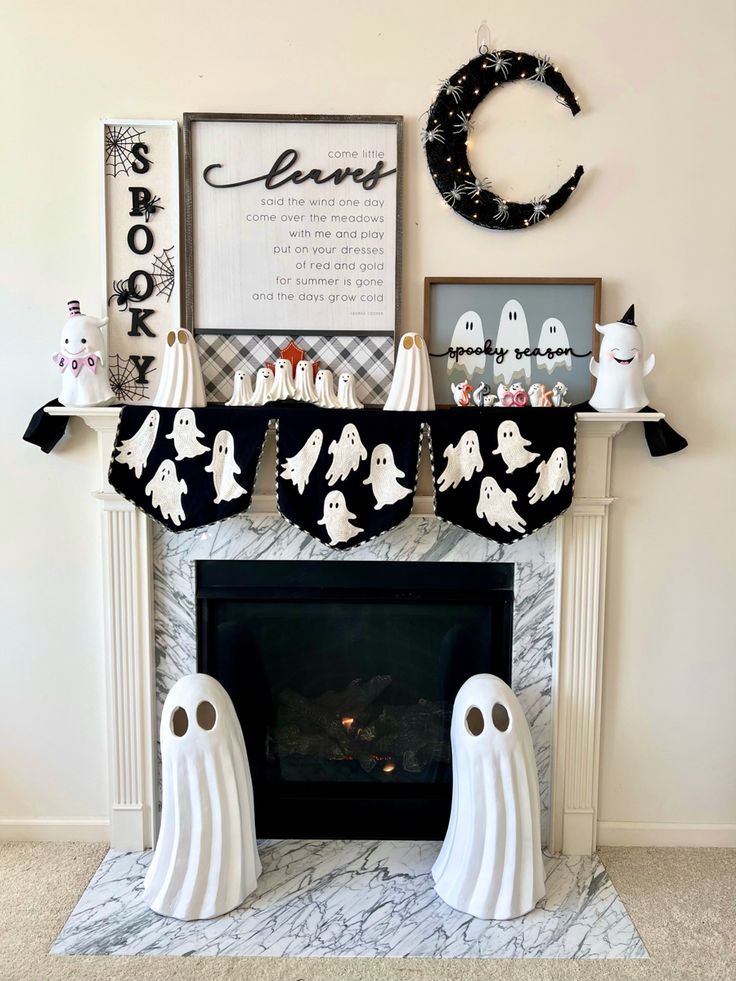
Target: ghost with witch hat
{"points": [[384, 477], [186, 436], [621, 369]]}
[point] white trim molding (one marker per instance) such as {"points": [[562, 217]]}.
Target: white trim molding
{"points": [[54, 829], [643, 834]]}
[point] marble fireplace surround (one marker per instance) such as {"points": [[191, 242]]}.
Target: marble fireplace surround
{"points": [[560, 685]]}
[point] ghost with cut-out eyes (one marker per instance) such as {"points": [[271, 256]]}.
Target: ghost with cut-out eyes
{"points": [[326, 398], [463, 461], [512, 447], [186, 436], [497, 506], [384, 477], [346, 391], [336, 519], [283, 383], [304, 390], [554, 474], [468, 336], [224, 469], [166, 491], [513, 336], [134, 452], [242, 389], [347, 453], [298, 468], [554, 346], [264, 384]]}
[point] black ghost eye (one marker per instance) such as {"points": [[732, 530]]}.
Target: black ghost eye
{"points": [[219, 448], [500, 717], [66, 340], [84, 340], [179, 721], [474, 722], [206, 716]]}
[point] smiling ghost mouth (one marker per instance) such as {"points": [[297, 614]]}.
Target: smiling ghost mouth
{"points": [[623, 360]]}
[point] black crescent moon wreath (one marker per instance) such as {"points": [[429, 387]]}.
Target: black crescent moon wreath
{"points": [[450, 123]]}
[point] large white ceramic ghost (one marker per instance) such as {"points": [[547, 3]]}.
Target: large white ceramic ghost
{"points": [[224, 469], [463, 461], [468, 335], [346, 391], [283, 382], [553, 338], [384, 477], [181, 384], [134, 452], [512, 447], [336, 519], [166, 491], [206, 859], [242, 389], [186, 436], [411, 386], [497, 506], [326, 398], [621, 369], [513, 335], [262, 390], [554, 474], [347, 452], [304, 390], [82, 360], [490, 865], [299, 467]]}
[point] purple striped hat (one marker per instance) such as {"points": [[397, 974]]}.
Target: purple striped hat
{"points": [[74, 310]]}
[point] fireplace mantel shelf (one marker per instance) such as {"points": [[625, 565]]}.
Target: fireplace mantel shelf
{"points": [[577, 654]]}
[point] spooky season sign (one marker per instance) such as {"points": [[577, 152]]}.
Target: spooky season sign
{"points": [[292, 223]]}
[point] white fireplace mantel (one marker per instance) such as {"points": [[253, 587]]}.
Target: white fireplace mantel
{"points": [[128, 604]]}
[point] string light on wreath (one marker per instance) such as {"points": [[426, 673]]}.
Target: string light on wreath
{"points": [[446, 136]]}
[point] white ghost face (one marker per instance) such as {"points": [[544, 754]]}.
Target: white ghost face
{"points": [[184, 421], [264, 375], [513, 335], [621, 344], [468, 335], [80, 335], [508, 431]]}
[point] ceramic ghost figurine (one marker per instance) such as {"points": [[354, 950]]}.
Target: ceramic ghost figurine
{"points": [[621, 369], [283, 383], [166, 491], [242, 389], [497, 506], [513, 335], [504, 398], [304, 390], [224, 469], [480, 393], [181, 382], [490, 864], [512, 447], [336, 518], [462, 393], [411, 386], [82, 360], [186, 435], [264, 384], [298, 468], [134, 452], [384, 477], [468, 342], [463, 461], [346, 391], [326, 398], [206, 859], [347, 453], [558, 395]]}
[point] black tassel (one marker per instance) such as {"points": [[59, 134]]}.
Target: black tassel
{"points": [[44, 430], [661, 438]]}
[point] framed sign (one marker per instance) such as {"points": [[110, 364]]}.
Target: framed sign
{"points": [[503, 331], [293, 224]]}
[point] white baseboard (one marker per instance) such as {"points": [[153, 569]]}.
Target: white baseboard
{"points": [[54, 829], [644, 834]]}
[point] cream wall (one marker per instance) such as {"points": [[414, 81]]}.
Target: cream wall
{"points": [[654, 216]]}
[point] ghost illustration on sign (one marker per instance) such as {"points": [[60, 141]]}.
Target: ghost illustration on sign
{"points": [[186, 436], [497, 506], [242, 389], [326, 398], [336, 519], [463, 461], [166, 490], [346, 391], [468, 335], [347, 452], [283, 383], [621, 369], [513, 335], [512, 447], [224, 469], [264, 384], [134, 452], [304, 390], [384, 477], [553, 339], [298, 468], [553, 475]]}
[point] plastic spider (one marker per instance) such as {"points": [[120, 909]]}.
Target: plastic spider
{"points": [[475, 187], [543, 65], [123, 294], [454, 89], [463, 123], [149, 209], [498, 63], [433, 135], [502, 210], [539, 209], [454, 194]]}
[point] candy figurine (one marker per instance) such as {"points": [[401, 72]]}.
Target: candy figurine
{"points": [[82, 360], [462, 393], [480, 393], [621, 369]]}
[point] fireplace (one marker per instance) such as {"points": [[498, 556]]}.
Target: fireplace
{"points": [[343, 676]]}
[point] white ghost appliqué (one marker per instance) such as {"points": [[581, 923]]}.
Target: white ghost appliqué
{"points": [[206, 859], [186, 436], [347, 452], [283, 383], [468, 335], [134, 452], [553, 475], [326, 398], [463, 461], [336, 518], [166, 491], [621, 369], [554, 346], [304, 390], [383, 477], [490, 864], [224, 469], [512, 447], [513, 335], [264, 384], [346, 392], [497, 506], [298, 468], [242, 389]]}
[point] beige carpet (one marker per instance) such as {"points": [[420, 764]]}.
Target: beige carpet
{"points": [[683, 902]]}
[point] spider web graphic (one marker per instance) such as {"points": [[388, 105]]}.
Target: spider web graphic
{"points": [[123, 380], [164, 274], [119, 143]]}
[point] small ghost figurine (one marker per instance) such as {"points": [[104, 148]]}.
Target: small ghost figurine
{"points": [[489, 401], [181, 384], [540, 397], [347, 452], [504, 397], [82, 359], [553, 475], [558, 395], [326, 398], [519, 396], [283, 383], [304, 390], [224, 469], [298, 468], [134, 452], [463, 461], [480, 393], [383, 477], [262, 391], [336, 518], [242, 389], [346, 391], [497, 506], [186, 436], [621, 370], [166, 491], [462, 393], [512, 447], [411, 386]]}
